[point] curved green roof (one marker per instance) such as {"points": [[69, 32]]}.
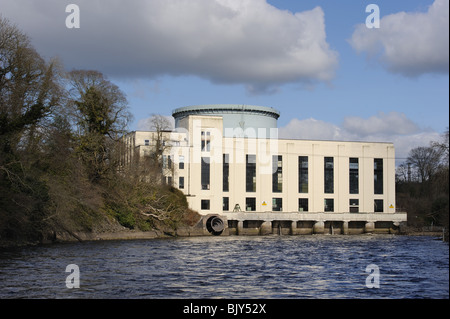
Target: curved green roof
{"points": [[225, 109]]}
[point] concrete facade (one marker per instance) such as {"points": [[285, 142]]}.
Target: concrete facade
{"points": [[258, 177]]}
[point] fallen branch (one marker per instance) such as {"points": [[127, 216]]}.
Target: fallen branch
{"points": [[154, 216]]}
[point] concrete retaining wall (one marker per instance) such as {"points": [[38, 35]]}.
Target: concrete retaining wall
{"points": [[267, 223]]}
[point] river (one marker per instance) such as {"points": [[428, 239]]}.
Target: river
{"points": [[314, 266]]}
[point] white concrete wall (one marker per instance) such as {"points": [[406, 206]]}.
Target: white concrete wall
{"points": [[189, 146]]}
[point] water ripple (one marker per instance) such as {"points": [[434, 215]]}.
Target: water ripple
{"points": [[231, 267]]}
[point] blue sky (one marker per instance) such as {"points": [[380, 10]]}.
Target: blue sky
{"points": [[315, 61]]}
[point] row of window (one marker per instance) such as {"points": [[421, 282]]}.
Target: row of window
{"points": [[168, 180], [277, 175], [277, 205], [167, 162], [303, 174]]}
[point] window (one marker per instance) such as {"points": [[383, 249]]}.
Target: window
{"points": [[226, 173], [181, 182], [147, 142], [303, 174], [205, 204], [250, 204], [250, 173], [353, 176], [329, 205], [181, 162], [167, 162], [226, 204], [354, 205], [302, 204], [277, 173], [169, 180], [205, 178], [378, 175], [378, 206], [329, 175], [277, 204], [206, 141]]}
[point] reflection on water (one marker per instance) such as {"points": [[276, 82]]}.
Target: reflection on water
{"points": [[316, 266]]}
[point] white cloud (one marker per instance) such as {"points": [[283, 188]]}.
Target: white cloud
{"points": [[225, 41], [409, 43], [387, 124], [392, 127], [404, 143], [310, 129]]}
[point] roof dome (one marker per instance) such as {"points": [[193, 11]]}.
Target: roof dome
{"points": [[236, 117]]}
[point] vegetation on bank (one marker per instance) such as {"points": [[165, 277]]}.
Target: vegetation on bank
{"points": [[61, 164], [422, 185]]}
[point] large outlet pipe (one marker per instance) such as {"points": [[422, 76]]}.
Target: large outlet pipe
{"points": [[215, 225]]}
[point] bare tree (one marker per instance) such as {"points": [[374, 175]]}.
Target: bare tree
{"points": [[160, 124], [443, 148], [402, 173], [154, 163], [425, 160]]}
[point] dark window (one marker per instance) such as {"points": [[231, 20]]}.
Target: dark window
{"points": [[329, 205], [302, 204], [277, 173], [250, 204], [303, 174], [181, 163], [354, 176], [205, 178], [250, 173], [378, 206], [277, 204], [378, 175], [147, 142], [181, 182], [226, 173], [205, 204], [329, 175], [226, 204]]}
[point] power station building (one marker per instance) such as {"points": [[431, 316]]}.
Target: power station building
{"points": [[230, 163]]}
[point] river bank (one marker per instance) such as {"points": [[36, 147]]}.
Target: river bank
{"points": [[439, 232], [191, 232], [185, 231], [114, 234]]}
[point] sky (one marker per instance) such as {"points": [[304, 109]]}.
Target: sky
{"points": [[330, 75]]}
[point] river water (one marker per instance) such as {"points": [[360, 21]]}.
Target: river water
{"points": [[314, 266]]}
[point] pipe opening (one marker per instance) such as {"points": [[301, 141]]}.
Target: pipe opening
{"points": [[215, 225]]}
